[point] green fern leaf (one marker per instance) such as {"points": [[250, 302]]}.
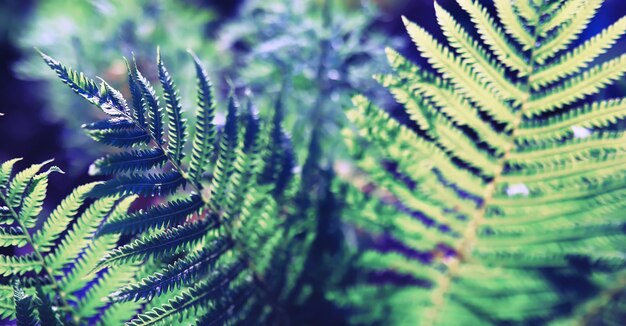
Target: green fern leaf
{"points": [[5, 170], [51, 272], [145, 185], [12, 236], [26, 314], [186, 302], [137, 160], [159, 244], [60, 218], [176, 127], [224, 164], [90, 305], [204, 134], [138, 109], [505, 182], [150, 102], [78, 237], [83, 86], [19, 265], [217, 214], [187, 269], [577, 59], [127, 136], [166, 215]]}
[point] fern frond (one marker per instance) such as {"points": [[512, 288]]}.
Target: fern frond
{"points": [[156, 217], [589, 82], [83, 86], [135, 160], [159, 244], [189, 300], [150, 103], [560, 14], [570, 151], [78, 237], [145, 185], [514, 24], [593, 115], [494, 37], [12, 236], [442, 59], [19, 265], [504, 184], [5, 170], [81, 272], [204, 133], [119, 313], [206, 241], [91, 304], [120, 137], [60, 218], [176, 124], [138, 110], [442, 95], [229, 312], [7, 304], [528, 11], [45, 309], [578, 58], [183, 271], [224, 163], [32, 199], [566, 33], [396, 137], [115, 96], [17, 189], [25, 312], [48, 268], [490, 72]]}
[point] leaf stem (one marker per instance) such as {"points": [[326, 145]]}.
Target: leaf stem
{"points": [[467, 243]]}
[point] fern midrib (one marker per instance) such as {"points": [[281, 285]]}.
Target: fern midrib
{"points": [[468, 242], [257, 277], [55, 284], [604, 297]]}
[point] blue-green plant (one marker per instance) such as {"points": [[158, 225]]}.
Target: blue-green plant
{"points": [[501, 200], [221, 240]]}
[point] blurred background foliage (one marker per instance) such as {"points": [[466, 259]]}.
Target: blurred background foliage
{"points": [[318, 51], [93, 36]]}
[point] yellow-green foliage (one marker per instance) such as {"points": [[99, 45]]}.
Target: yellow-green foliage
{"points": [[55, 275], [502, 199]]}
